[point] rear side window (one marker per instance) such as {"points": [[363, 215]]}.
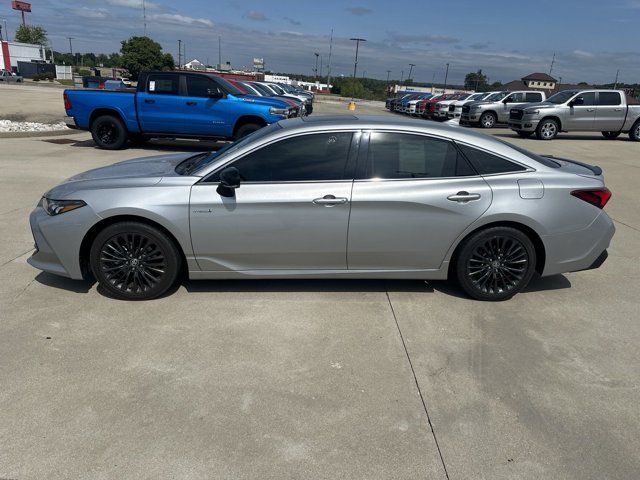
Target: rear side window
{"points": [[609, 98], [321, 156], [533, 97], [400, 155], [487, 163], [163, 84]]}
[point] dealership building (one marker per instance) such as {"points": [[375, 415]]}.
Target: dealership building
{"points": [[13, 52]]}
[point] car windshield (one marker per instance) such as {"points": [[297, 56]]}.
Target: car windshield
{"points": [[562, 97], [264, 90], [197, 162], [230, 88], [497, 96], [277, 88]]}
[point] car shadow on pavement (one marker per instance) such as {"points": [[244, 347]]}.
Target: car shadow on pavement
{"points": [[564, 136], [56, 281], [168, 145]]}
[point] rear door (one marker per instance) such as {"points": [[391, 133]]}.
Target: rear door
{"points": [[610, 112], [582, 115], [206, 107], [413, 196], [160, 104]]}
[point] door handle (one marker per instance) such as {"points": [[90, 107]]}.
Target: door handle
{"points": [[591, 109], [149, 100], [191, 104], [464, 197], [618, 109], [330, 200]]}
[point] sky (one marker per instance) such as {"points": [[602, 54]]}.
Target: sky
{"points": [[507, 39]]}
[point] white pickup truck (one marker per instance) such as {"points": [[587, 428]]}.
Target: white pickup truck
{"points": [[606, 111]]}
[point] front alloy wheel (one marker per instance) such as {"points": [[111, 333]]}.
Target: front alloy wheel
{"points": [[488, 120], [547, 130], [495, 264]]}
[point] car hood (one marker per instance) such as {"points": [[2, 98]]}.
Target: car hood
{"points": [[138, 172], [538, 106], [479, 103], [267, 101]]}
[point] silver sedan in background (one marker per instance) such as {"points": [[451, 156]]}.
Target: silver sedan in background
{"points": [[329, 197]]}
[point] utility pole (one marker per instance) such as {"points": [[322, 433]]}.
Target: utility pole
{"points": [[411, 65], [71, 48], [144, 17], [615, 87], [320, 66], [355, 65], [446, 75], [219, 51], [179, 54], [329, 67], [364, 73], [316, 69], [401, 76], [553, 60]]}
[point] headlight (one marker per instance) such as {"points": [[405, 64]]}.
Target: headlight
{"points": [[279, 111], [56, 207], [532, 112]]}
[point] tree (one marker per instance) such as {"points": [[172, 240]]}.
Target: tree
{"points": [[31, 34], [475, 81], [142, 53]]}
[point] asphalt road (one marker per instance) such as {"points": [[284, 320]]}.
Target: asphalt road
{"points": [[317, 379]]}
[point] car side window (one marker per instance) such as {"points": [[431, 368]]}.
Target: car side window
{"points": [[400, 155], [163, 84], [487, 163], [533, 97], [515, 97], [588, 98], [609, 98], [313, 157], [199, 86]]}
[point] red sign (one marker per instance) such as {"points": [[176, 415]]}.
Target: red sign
{"points": [[22, 6]]}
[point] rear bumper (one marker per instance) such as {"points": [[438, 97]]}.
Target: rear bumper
{"points": [[579, 250], [70, 122]]}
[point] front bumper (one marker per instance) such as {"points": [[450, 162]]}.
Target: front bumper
{"points": [[524, 125], [58, 239], [470, 117], [579, 250]]}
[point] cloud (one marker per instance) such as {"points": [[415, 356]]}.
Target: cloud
{"points": [[177, 19], [132, 4], [479, 45], [358, 10], [292, 21], [424, 38], [582, 54], [255, 15], [85, 12]]}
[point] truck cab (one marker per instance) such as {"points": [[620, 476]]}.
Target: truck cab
{"points": [[496, 108]]}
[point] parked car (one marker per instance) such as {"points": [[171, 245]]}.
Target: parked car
{"points": [[412, 105], [171, 104], [441, 108], [113, 85], [455, 107], [404, 103], [430, 106], [295, 104], [495, 109], [396, 104], [290, 202], [264, 91], [278, 90], [10, 77], [421, 106], [606, 111]]}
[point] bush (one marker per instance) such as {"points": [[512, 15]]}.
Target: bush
{"points": [[85, 73], [50, 76]]}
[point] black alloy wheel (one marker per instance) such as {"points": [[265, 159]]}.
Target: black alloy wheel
{"points": [[109, 132], [134, 261], [495, 264]]}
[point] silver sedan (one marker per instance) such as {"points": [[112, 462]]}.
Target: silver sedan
{"points": [[329, 197]]}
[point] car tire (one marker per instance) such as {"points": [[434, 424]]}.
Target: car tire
{"points": [[134, 261], [523, 134], [108, 132], [488, 120], [547, 129], [495, 264], [247, 129], [611, 135], [634, 133]]}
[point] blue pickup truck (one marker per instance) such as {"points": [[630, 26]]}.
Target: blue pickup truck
{"points": [[170, 104]]}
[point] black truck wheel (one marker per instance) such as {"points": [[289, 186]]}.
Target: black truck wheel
{"points": [[108, 132]]}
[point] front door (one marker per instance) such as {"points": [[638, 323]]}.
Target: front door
{"points": [[291, 211], [514, 100], [413, 196], [207, 107], [582, 115]]}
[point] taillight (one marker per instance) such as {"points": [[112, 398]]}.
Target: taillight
{"points": [[597, 198], [67, 102]]}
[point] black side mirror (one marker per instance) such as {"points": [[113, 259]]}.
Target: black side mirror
{"points": [[229, 181], [214, 93], [506, 100], [576, 101]]}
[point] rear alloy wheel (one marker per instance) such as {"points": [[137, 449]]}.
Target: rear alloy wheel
{"points": [[134, 261], [109, 132], [488, 120], [610, 135], [634, 134], [496, 263], [547, 129]]}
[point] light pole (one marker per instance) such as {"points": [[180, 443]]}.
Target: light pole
{"points": [[411, 65], [388, 73], [71, 48], [179, 54], [316, 69], [446, 75], [615, 87], [355, 65], [364, 72], [401, 76]]}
